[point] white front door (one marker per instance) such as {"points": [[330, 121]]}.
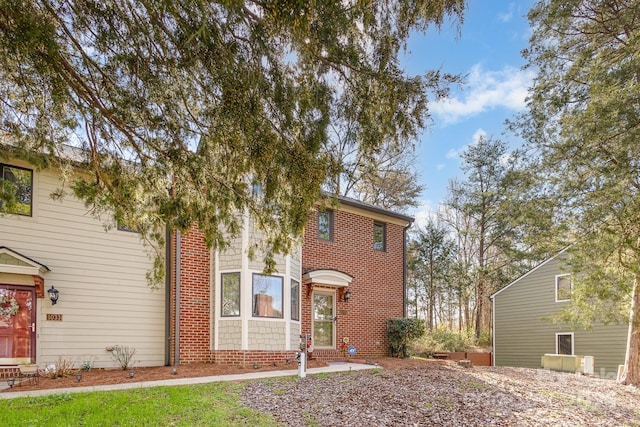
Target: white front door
{"points": [[323, 323]]}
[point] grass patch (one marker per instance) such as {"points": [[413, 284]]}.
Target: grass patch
{"points": [[568, 399], [309, 420], [197, 405]]}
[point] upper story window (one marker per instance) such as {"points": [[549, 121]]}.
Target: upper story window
{"points": [[563, 287], [379, 236], [325, 225], [16, 190], [267, 296], [124, 227]]}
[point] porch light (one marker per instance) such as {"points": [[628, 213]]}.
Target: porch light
{"points": [[11, 382], [131, 373], [347, 295], [79, 376], [53, 295]]}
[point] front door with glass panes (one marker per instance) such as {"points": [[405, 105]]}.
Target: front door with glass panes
{"points": [[323, 320], [17, 324]]}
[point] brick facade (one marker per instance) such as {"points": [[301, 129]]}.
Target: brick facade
{"points": [[377, 289], [195, 304]]}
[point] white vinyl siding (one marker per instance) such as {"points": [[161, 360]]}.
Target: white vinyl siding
{"points": [[104, 297]]}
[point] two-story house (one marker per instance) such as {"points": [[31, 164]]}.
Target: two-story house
{"points": [[341, 284], [523, 331]]}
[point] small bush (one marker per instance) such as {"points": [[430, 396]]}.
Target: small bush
{"points": [[123, 356], [86, 365], [60, 368], [401, 332]]}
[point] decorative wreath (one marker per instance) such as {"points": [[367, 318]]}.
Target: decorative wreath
{"points": [[8, 306]]}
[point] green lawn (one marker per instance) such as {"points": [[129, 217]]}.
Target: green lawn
{"points": [[215, 404]]}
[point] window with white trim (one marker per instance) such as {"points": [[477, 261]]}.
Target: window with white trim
{"points": [[267, 296], [563, 287], [230, 290], [323, 319], [564, 343]]}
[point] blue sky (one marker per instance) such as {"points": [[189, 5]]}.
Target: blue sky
{"points": [[487, 51]]}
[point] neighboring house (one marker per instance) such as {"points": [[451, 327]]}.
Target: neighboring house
{"points": [[103, 295], [215, 306], [522, 333]]}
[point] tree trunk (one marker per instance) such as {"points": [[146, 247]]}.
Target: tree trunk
{"points": [[632, 359]]}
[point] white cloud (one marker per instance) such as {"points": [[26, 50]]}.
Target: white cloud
{"points": [[480, 133], [453, 153], [506, 16], [440, 166], [485, 91], [423, 213]]}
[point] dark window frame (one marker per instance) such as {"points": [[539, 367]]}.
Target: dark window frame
{"points": [[2, 169], [383, 245], [330, 220], [295, 302]]}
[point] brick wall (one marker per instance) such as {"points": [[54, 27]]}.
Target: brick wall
{"points": [[377, 287], [377, 292], [260, 358], [195, 304]]}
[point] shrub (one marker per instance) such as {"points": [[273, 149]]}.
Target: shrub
{"points": [[443, 339], [60, 368], [401, 332], [86, 365], [123, 356]]}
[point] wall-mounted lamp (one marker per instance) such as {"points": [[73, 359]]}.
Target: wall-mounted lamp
{"points": [[79, 376], [347, 295], [131, 373], [53, 295], [11, 382]]}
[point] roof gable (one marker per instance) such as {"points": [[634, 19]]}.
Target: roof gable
{"points": [[534, 269], [13, 262]]}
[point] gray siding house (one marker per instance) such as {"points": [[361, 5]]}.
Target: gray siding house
{"points": [[521, 335]]}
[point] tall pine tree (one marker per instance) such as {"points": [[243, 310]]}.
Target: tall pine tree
{"points": [[584, 124]]}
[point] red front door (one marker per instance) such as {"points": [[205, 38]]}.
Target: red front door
{"points": [[17, 324]]}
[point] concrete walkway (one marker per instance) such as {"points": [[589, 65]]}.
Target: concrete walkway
{"points": [[342, 367]]}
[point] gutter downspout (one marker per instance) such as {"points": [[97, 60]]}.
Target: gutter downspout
{"points": [[404, 270], [167, 295], [176, 356]]}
